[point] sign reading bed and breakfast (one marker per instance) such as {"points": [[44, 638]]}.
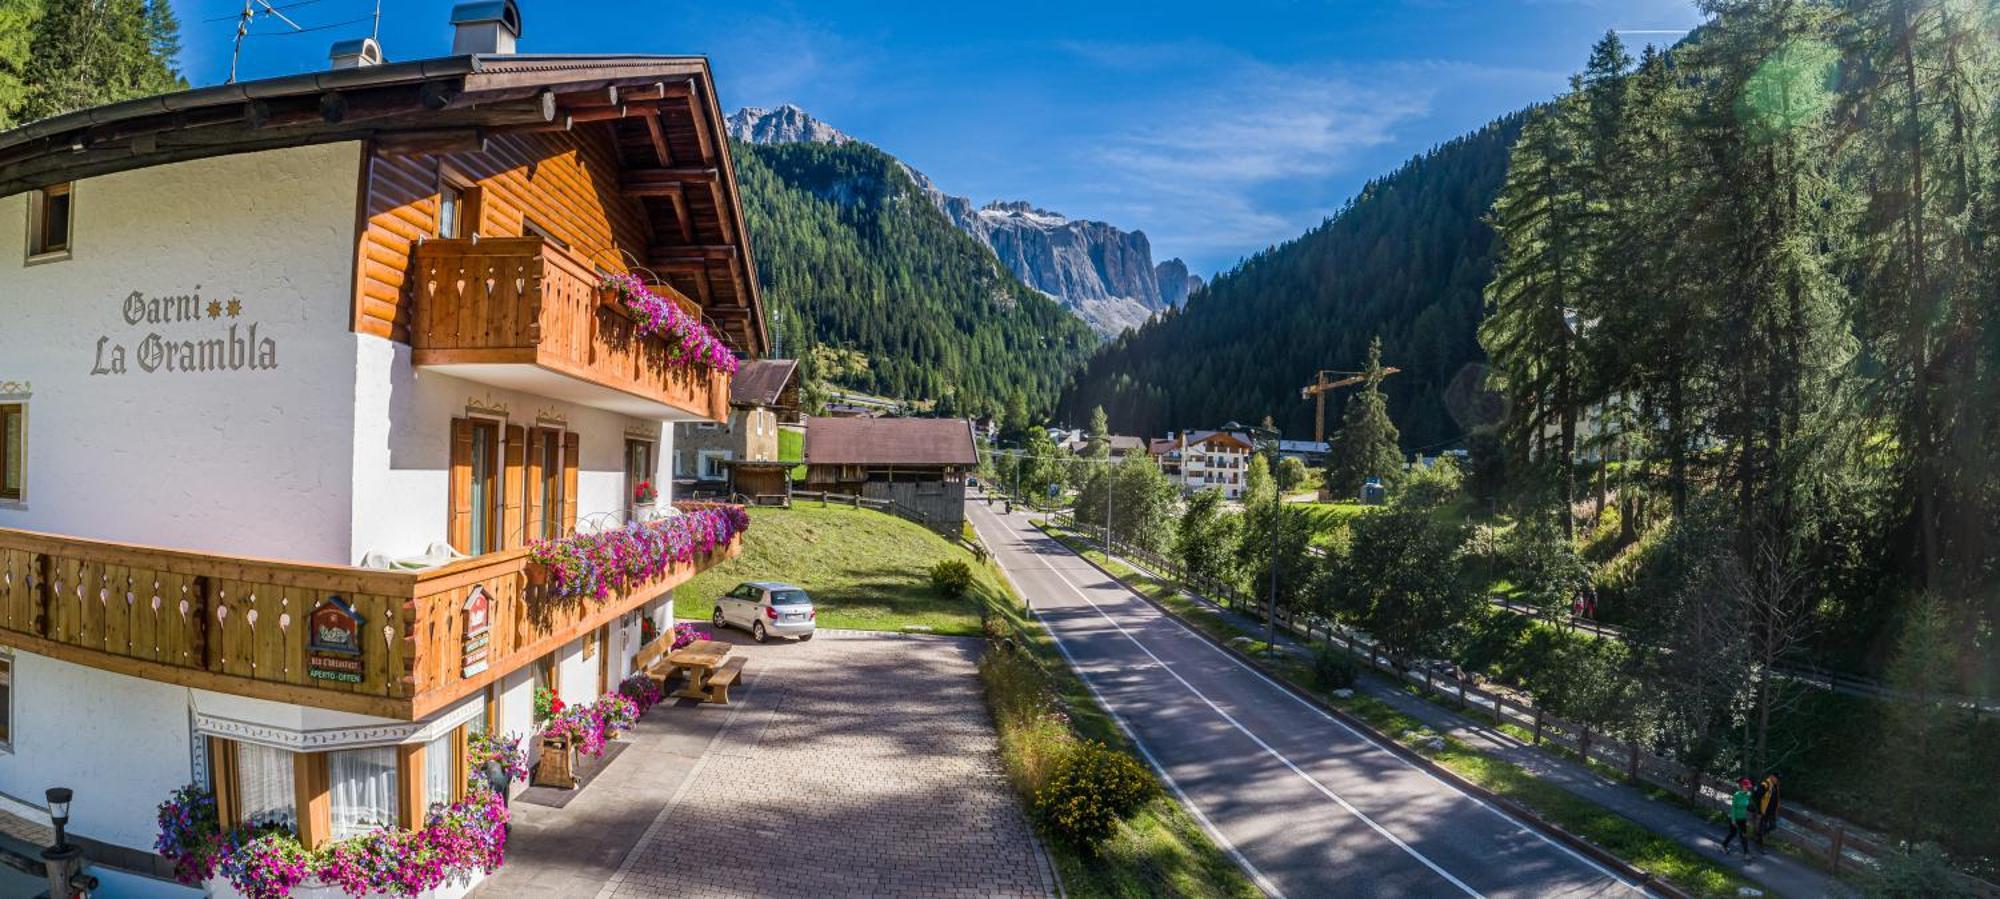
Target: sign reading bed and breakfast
{"points": [[184, 333], [333, 642]]}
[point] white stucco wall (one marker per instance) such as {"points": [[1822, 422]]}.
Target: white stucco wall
{"points": [[120, 742], [209, 460], [402, 449]]}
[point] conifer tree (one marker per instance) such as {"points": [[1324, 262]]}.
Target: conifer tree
{"points": [[1366, 444]]}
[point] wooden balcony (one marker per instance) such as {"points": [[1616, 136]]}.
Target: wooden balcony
{"points": [[522, 314], [253, 627]]}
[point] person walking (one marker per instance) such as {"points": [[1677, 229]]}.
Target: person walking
{"points": [[1739, 817], [1766, 807]]}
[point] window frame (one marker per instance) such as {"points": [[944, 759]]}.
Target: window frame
{"points": [[396, 774], [20, 493], [7, 669], [465, 216], [637, 470], [487, 500], [548, 451], [38, 249]]}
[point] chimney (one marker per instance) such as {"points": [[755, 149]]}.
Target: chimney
{"points": [[485, 27], [355, 53]]}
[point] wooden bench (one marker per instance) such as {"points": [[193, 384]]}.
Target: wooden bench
{"points": [[720, 680], [651, 660]]}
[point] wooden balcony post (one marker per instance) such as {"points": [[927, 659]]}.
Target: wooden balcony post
{"points": [[410, 785]]}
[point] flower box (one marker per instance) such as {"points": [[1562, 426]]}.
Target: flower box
{"points": [[557, 767]]}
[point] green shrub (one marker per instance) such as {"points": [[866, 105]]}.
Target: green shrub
{"points": [[951, 577], [1093, 788], [1034, 732], [1332, 669]]}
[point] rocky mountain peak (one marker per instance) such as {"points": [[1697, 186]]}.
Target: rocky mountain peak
{"points": [[788, 124]]}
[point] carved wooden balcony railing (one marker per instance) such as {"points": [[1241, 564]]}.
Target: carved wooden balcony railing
{"points": [[246, 626], [520, 313]]}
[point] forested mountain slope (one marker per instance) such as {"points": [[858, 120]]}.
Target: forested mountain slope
{"points": [[1406, 259], [852, 255]]}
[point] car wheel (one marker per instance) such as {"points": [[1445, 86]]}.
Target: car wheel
{"points": [[804, 637], [757, 632], [718, 620]]}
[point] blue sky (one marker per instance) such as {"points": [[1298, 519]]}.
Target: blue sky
{"points": [[1217, 128]]}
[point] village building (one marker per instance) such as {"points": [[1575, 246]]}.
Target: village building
{"points": [[740, 456], [1205, 460], [293, 373], [919, 464]]}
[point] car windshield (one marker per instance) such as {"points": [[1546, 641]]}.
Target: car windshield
{"points": [[789, 598]]}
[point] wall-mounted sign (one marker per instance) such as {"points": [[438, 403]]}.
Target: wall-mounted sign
{"points": [[478, 623], [333, 642], [224, 346]]}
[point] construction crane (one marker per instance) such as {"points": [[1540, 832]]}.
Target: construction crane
{"points": [[1320, 387]]}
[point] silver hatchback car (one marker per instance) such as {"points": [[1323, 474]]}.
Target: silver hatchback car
{"points": [[767, 608]]}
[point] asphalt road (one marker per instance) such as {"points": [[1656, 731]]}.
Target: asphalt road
{"points": [[1309, 806]]}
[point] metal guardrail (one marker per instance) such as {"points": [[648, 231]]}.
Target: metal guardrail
{"points": [[1835, 841]]}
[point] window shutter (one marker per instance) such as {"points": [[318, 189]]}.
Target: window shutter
{"points": [[537, 503], [570, 454], [513, 490], [222, 781], [459, 526]]}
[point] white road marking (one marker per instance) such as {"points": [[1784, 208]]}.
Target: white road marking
{"points": [[1021, 547], [1215, 833], [1510, 819]]}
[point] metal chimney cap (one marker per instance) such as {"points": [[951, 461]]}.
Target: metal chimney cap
{"points": [[475, 12], [361, 51]]}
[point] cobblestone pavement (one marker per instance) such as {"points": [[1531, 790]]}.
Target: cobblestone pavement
{"points": [[852, 765]]}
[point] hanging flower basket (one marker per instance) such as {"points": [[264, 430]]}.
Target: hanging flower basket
{"points": [[538, 574], [689, 343]]}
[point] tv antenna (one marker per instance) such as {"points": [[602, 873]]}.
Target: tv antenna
{"points": [[250, 10]]}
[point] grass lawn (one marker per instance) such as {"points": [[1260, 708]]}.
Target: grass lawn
{"points": [[1624, 838], [866, 570], [792, 445]]}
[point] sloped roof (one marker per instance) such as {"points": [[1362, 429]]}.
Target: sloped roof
{"points": [[1120, 443], [890, 441], [761, 382]]}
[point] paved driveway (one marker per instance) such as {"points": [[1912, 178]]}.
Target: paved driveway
{"points": [[852, 765]]}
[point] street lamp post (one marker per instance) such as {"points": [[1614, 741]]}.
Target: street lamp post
{"points": [[63, 861]]}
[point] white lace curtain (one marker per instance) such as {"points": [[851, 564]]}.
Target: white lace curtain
{"points": [[364, 790], [264, 780], [438, 769]]}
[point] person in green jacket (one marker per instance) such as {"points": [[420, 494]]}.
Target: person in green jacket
{"points": [[1739, 817]]}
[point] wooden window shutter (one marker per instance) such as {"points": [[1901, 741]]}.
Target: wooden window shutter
{"points": [[222, 781], [313, 803], [570, 454], [513, 490], [410, 810], [459, 527], [537, 504]]}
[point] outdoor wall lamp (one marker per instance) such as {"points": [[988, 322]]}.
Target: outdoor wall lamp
{"points": [[59, 798]]}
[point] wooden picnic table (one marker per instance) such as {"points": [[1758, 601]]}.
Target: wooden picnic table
{"points": [[698, 659]]}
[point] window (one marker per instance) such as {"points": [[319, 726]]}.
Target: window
{"points": [[451, 211], [477, 488], [363, 785], [7, 701], [638, 467], [51, 211], [13, 450], [458, 204], [264, 786], [711, 464], [550, 452], [440, 769], [532, 228], [485, 487]]}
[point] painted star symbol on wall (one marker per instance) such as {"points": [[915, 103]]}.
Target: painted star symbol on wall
{"points": [[235, 307], [214, 308]]}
